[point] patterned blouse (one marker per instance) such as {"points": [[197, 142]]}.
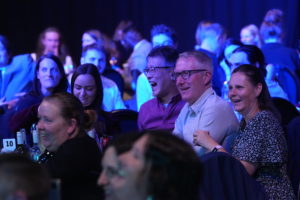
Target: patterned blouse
{"points": [[261, 142]]}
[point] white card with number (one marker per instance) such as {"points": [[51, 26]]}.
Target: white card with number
{"points": [[9, 144]]}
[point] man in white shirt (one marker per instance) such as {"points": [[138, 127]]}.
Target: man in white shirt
{"points": [[204, 109], [112, 99]]}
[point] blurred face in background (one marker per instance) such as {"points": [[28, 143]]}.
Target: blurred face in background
{"points": [[247, 37], [237, 59], [162, 40], [48, 74], [95, 57], [85, 89], [87, 39], [51, 42]]}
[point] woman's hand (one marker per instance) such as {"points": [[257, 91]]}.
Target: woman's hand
{"points": [[202, 138]]}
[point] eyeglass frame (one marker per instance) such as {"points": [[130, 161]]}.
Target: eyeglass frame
{"points": [[186, 74], [154, 69]]}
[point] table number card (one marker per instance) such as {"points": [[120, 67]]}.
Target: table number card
{"points": [[9, 145]]}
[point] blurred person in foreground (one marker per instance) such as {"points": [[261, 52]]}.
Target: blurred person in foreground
{"points": [[157, 166]]}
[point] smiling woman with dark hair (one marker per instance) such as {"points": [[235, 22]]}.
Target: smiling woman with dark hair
{"points": [[49, 78], [260, 144]]}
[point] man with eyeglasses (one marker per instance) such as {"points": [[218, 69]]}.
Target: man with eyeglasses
{"points": [[161, 112], [204, 109]]}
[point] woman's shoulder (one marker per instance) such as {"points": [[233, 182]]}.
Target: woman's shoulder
{"points": [[265, 116]]}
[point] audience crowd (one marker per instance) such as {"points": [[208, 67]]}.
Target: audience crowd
{"points": [[197, 118]]}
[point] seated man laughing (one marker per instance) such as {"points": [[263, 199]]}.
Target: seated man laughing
{"points": [[161, 112]]}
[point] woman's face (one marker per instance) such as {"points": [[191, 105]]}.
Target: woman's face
{"points": [[48, 74], [87, 40], [123, 177], [247, 37], [85, 89], [243, 94], [53, 129], [51, 42]]}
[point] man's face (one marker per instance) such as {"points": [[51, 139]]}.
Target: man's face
{"points": [[162, 40], [95, 57], [196, 83], [129, 39], [159, 77]]}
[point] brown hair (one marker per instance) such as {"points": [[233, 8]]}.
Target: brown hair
{"points": [[71, 108]]}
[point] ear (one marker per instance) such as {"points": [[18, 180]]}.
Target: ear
{"points": [[71, 130], [258, 89], [207, 77]]}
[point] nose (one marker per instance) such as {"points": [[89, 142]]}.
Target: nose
{"points": [[40, 125], [179, 80], [82, 92], [48, 72], [149, 75], [102, 180], [231, 92]]}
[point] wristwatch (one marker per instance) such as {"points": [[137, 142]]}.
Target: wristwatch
{"points": [[216, 148]]}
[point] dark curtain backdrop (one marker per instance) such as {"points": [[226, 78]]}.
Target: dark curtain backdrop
{"points": [[22, 20]]}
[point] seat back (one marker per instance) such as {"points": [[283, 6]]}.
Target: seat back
{"points": [[123, 121], [225, 178], [293, 141]]}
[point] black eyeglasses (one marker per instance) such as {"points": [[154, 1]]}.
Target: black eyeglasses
{"points": [[153, 70], [186, 73]]}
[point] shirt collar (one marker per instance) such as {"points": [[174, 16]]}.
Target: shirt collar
{"points": [[196, 106]]}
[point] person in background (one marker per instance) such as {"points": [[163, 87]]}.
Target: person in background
{"points": [[22, 178], [49, 78], [87, 87], [210, 38], [260, 145], [94, 36], [229, 46], [5, 60], [136, 63], [274, 50], [161, 35], [70, 154], [250, 35], [167, 104], [112, 99], [250, 54], [112, 69], [165, 165], [124, 51], [51, 41], [16, 74], [5, 51], [204, 109]]}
